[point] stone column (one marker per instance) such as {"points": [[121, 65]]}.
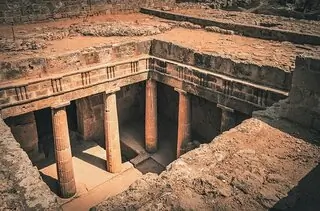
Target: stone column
{"points": [[111, 131], [228, 118], [151, 127], [184, 122], [63, 151]]}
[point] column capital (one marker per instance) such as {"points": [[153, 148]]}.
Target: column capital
{"points": [[111, 91], [180, 91], [60, 105], [225, 108]]}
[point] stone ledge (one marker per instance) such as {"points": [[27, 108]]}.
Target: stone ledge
{"points": [[22, 99], [246, 30]]}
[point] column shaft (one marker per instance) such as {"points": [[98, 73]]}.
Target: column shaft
{"points": [[151, 128], [63, 152], [184, 123], [111, 131]]}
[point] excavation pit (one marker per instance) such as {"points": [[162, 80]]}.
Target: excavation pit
{"points": [[104, 102]]}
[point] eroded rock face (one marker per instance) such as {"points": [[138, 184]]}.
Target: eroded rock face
{"points": [[252, 167], [16, 11], [21, 186], [220, 4], [120, 29]]}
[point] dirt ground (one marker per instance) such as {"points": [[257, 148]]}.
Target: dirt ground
{"points": [[53, 38], [259, 165], [276, 22]]}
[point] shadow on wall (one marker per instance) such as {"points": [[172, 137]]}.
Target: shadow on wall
{"points": [[302, 109], [305, 196]]}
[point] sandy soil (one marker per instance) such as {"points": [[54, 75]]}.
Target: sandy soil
{"points": [[53, 38], [63, 23], [255, 166], [262, 52], [276, 22]]}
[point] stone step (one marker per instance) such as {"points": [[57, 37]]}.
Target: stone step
{"points": [[140, 158], [110, 188]]}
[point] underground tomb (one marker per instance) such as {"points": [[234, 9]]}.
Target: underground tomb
{"points": [[207, 110]]}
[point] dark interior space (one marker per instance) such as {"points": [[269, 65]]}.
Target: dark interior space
{"points": [[206, 118], [240, 117], [72, 116], [168, 105], [45, 132]]}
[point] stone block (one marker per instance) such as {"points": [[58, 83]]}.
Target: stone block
{"points": [[24, 130], [143, 47]]}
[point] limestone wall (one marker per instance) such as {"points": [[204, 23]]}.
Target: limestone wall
{"points": [[130, 105], [218, 4], [21, 185], [242, 29], [90, 117], [168, 100], [17, 11], [264, 75], [206, 116], [69, 62], [24, 130], [303, 104]]}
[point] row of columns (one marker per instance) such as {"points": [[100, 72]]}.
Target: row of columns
{"points": [[63, 153], [184, 119]]}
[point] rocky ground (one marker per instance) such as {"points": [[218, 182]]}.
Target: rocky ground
{"points": [[275, 22], [259, 165], [52, 38], [299, 9]]}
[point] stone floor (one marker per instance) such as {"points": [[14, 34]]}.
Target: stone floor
{"points": [[132, 136], [92, 180], [94, 183]]}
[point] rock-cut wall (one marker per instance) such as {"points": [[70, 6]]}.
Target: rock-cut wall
{"points": [[21, 11], [303, 104], [21, 185]]}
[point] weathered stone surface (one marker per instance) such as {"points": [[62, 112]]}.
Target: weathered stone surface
{"points": [[24, 130], [264, 75], [14, 11], [21, 185], [304, 97], [63, 154], [238, 27]]}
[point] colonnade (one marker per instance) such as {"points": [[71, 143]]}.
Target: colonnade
{"points": [[62, 147], [63, 153]]}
